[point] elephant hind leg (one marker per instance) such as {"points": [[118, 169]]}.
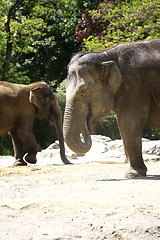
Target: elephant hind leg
{"points": [[18, 149]]}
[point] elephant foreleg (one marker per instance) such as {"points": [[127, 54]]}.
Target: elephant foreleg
{"points": [[131, 132], [28, 139], [18, 149], [132, 117]]}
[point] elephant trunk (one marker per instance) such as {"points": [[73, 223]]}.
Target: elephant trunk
{"points": [[73, 126], [56, 113]]}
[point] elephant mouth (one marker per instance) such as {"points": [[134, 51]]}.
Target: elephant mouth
{"points": [[90, 121], [90, 125]]}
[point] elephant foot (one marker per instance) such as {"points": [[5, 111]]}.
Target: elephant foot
{"points": [[136, 172], [19, 162], [31, 158], [66, 161]]}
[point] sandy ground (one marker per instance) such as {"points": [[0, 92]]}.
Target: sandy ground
{"points": [[82, 201]]}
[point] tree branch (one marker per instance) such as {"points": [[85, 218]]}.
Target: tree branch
{"points": [[11, 12]]}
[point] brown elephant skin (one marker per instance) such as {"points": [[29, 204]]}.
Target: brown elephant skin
{"points": [[19, 104]]}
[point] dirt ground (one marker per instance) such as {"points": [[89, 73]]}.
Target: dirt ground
{"points": [[81, 201]]}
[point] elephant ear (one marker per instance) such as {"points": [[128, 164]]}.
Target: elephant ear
{"points": [[114, 76], [36, 98]]}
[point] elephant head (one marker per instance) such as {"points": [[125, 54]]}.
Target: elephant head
{"points": [[42, 98], [47, 107], [91, 86]]}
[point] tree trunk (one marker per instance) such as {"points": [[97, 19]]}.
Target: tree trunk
{"points": [[9, 35]]}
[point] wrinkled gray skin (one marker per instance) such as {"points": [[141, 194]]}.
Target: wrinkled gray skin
{"points": [[124, 79], [19, 104]]}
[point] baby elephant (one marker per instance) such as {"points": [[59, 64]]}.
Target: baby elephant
{"points": [[19, 104]]}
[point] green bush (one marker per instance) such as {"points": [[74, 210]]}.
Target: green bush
{"points": [[44, 132], [124, 22], [6, 147], [107, 126], [61, 96], [151, 133]]}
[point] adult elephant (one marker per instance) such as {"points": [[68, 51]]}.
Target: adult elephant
{"points": [[124, 79], [19, 104]]}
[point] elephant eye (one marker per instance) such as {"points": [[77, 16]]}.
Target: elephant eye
{"points": [[85, 93]]}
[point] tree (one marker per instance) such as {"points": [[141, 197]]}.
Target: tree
{"points": [[41, 37], [9, 35], [115, 22], [18, 31]]}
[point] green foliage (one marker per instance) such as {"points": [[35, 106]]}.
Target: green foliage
{"points": [[6, 147], [61, 96], [93, 22], [123, 22], [44, 132], [151, 133], [107, 126], [42, 36], [42, 33], [89, 4]]}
